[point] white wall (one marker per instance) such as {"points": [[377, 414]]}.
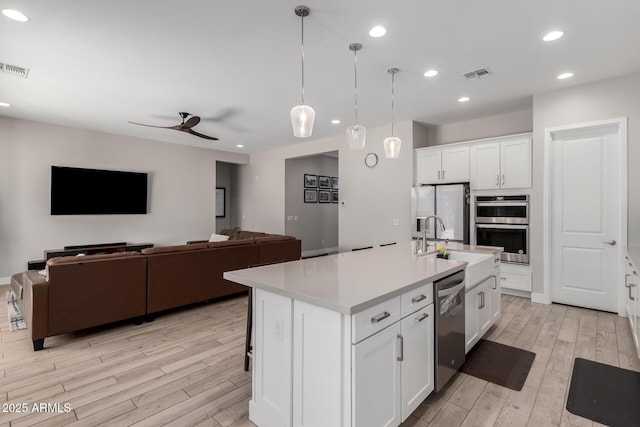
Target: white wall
{"points": [[317, 223], [370, 198], [607, 99], [181, 183], [487, 127]]}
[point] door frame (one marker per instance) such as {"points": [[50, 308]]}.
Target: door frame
{"points": [[621, 124]]}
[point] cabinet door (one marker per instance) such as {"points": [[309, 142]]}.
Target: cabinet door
{"points": [[484, 166], [636, 314], [376, 378], [515, 163], [471, 308], [495, 296], [484, 312], [429, 166], [418, 358], [455, 164]]}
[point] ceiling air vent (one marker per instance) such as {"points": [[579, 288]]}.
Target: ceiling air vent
{"points": [[14, 70], [478, 74]]}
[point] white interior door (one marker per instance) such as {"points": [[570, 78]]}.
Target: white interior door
{"points": [[585, 216]]}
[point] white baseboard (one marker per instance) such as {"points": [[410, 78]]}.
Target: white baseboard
{"points": [[317, 252], [515, 292], [5, 280], [540, 298]]}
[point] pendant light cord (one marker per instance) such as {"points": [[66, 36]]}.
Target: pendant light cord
{"points": [[393, 78], [302, 53], [355, 72]]}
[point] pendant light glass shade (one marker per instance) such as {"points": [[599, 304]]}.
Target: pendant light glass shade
{"points": [[356, 134], [392, 144], [302, 116]]}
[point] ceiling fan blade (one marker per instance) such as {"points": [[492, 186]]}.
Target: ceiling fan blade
{"points": [[176, 127], [193, 132], [191, 122]]}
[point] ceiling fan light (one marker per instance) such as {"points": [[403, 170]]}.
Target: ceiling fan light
{"points": [[356, 136], [392, 147], [302, 118]]}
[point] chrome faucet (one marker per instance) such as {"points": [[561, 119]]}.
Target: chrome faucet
{"points": [[422, 245]]}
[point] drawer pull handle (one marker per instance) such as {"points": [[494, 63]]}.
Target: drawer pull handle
{"points": [[421, 318], [503, 278], [418, 298], [380, 317], [401, 357], [631, 296], [626, 283]]}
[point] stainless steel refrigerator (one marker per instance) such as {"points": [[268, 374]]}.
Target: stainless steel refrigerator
{"points": [[450, 202]]}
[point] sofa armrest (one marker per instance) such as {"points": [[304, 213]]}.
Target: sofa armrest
{"points": [[36, 304]]}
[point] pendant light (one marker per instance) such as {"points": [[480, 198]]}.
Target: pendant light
{"points": [[392, 143], [302, 116], [356, 134]]}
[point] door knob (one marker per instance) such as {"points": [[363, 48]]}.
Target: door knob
{"points": [[610, 242]]}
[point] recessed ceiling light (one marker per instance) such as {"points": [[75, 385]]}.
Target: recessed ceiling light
{"points": [[565, 76], [553, 35], [16, 15], [4, 104], [377, 31], [431, 73], [335, 122], [463, 99], [240, 146]]}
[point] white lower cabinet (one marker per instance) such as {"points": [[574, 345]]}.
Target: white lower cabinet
{"points": [[377, 379], [393, 371], [318, 367], [632, 299], [478, 312]]}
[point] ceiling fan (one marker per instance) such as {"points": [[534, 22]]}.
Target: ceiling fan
{"points": [[185, 126]]}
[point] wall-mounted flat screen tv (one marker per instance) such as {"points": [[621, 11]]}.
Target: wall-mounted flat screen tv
{"points": [[77, 191]]}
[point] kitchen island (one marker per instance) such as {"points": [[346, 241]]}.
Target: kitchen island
{"points": [[343, 340]]}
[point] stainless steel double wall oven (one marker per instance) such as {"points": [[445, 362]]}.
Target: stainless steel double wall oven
{"points": [[504, 221]]}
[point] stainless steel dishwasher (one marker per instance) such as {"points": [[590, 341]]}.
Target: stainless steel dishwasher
{"points": [[450, 327]]}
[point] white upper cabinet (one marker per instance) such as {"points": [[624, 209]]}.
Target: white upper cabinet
{"points": [[443, 165], [501, 164]]}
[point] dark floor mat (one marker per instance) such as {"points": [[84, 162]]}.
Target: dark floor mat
{"points": [[500, 364], [604, 394]]}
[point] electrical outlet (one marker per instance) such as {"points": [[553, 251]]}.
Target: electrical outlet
{"points": [[289, 217], [277, 332], [395, 221], [295, 217]]}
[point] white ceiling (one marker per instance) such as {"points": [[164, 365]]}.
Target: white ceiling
{"points": [[98, 64]]}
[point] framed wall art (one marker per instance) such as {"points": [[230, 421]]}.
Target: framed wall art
{"points": [[324, 196], [310, 181], [324, 182], [311, 196]]}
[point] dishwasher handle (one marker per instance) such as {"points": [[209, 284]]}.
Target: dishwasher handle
{"points": [[450, 291]]}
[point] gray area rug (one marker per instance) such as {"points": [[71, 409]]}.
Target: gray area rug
{"points": [[16, 321]]}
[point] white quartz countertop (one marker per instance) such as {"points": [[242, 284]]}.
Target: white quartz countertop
{"points": [[348, 282]]}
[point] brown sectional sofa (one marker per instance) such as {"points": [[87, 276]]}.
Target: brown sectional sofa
{"points": [[82, 292]]}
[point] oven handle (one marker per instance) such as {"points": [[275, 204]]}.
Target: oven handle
{"points": [[509, 226], [502, 204]]}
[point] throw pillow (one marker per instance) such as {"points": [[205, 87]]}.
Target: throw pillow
{"points": [[218, 238]]}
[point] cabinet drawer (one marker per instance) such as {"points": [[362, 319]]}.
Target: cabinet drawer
{"points": [[416, 299], [374, 319], [520, 281]]}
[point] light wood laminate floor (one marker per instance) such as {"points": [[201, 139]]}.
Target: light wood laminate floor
{"points": [[186, 369]]}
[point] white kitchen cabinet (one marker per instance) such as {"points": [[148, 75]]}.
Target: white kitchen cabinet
{"points": [[496, 305], [517, 277], [393, 370], [500, 163], [417, 331], [632, 299], [443, 165], [478, 312], [377, 379]]}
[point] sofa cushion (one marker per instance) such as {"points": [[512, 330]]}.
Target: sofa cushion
{"points": [[218, 237], [177, 248], [86, 258], [273, 238], [230, 243]]}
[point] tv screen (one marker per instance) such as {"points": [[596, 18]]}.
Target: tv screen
{"points": [[76, 191]]}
